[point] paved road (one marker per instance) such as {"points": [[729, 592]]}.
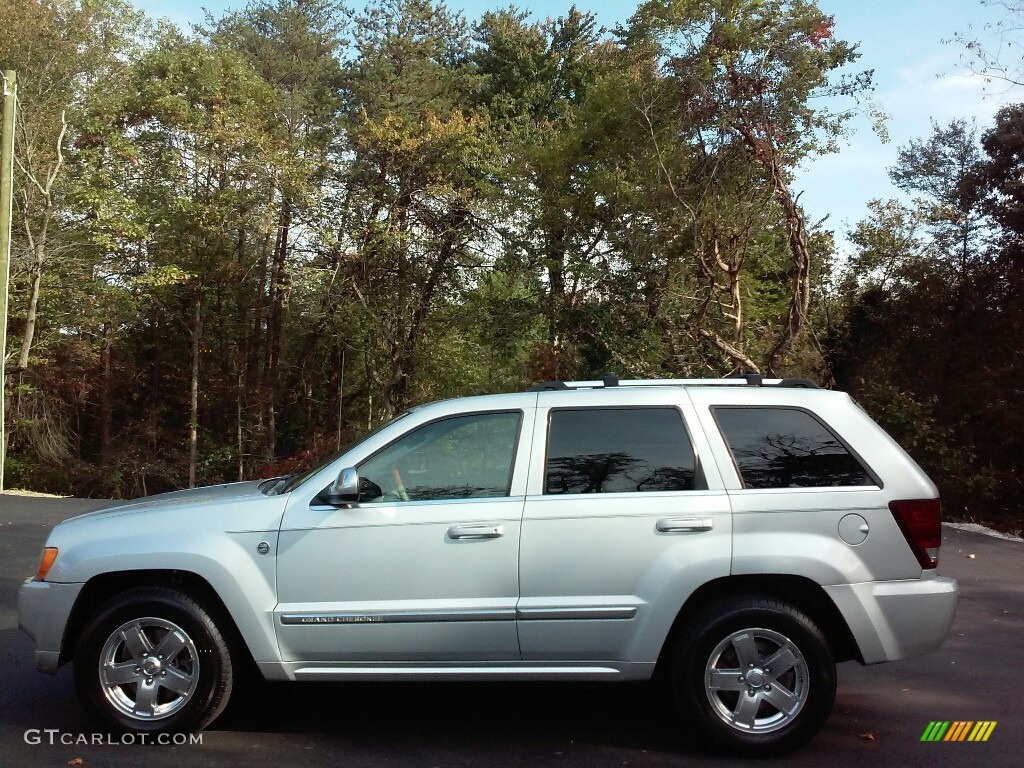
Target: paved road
{"points": [[879, 716]]}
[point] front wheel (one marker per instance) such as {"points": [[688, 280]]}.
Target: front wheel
{"points": [[153, 660], [756, 675]]}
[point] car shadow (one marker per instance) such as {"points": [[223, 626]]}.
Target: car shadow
{"points": [[630, 715]]}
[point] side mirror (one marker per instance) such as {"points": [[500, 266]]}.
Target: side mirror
{"points": [[344, 490]]}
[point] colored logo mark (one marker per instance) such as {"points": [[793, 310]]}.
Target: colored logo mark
{"points": [[958, 730]]}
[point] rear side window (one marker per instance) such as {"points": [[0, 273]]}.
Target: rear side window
{"points": [[787, 448], [618, 450]]}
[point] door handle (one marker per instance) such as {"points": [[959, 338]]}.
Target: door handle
{"points": [[487, 531], [685, 524]]}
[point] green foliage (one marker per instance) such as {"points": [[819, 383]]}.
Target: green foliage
{"points": [[966, 486], [1003, 177], [931, 320], [298, 220]]}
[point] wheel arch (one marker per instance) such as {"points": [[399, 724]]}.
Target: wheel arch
{"points": [[799, 591], [103, 587]]}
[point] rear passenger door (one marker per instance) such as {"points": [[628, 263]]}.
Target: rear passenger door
{"points": [[623, 520]]}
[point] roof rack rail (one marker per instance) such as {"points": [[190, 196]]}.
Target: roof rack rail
{"points": [[736, 380], [608, 380], [754, 379], [799, 383]]}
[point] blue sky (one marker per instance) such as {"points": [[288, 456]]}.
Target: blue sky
{"points": [[918, 78]]}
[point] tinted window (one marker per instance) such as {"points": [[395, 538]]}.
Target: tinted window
{"points": [[465, 457], [787, 448], [612, 450]]}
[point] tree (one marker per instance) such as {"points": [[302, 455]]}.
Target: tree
{"points": [[889, 246], [60, 49], [420, 155], [929, 338], [997, 59], [297, 221], [295, 47], [1003, 171], [945, 169], [191, 125], [744, 80], [557, 205]]}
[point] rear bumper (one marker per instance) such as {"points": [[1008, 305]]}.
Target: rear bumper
{"points": [[43, 611], [893, 620]]}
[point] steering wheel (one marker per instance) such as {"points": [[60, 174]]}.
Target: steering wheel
{"points": [[400, 491]]}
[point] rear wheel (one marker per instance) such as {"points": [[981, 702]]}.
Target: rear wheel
{"points": [[756, 675], [153, 660]]}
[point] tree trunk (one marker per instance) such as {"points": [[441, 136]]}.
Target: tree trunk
{"points": [[737, 307], [239, 393], [732, 267], [555, 262], [36, 278], [106, 396], [153, 391], [341, 398], [764, 153], [801, 272], [404, 348], [193, 421], [256, 361], [38, 241], [334, 390], [279, 292]]}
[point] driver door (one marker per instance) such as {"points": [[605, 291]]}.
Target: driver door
{"points": [[425, 567]]}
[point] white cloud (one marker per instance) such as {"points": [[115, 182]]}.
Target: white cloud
{"points": [[934, 87], [940, 88]]}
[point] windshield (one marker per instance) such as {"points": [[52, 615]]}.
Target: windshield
{"points": [[298, 480]]}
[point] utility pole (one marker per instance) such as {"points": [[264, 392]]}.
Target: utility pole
{"points": [[6, 201]]}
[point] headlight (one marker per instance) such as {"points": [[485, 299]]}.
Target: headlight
{"points": [[45, 562]]}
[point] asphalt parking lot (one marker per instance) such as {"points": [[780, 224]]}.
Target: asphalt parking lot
{"points": [[880, 714]]}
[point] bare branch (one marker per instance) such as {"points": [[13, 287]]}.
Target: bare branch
{"points": [[30, 176], [733, 353], [60, 153]]}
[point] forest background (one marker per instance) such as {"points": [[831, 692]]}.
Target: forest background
{"points": [[240, 247]]}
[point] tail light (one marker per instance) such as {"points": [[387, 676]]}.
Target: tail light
{"points": [[921, 523]]}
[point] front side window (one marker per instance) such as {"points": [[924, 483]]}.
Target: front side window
{"points": [[618, 450], [462, 457], [787, 448]]}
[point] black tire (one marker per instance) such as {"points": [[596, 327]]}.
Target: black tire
{"points": [[127, 685], [722, 681]]}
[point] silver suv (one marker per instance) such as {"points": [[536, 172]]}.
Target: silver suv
{"points": [[734, 538]]}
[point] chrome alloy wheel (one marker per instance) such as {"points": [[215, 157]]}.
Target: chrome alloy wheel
{"points": [[757, 680], [149, 668]]}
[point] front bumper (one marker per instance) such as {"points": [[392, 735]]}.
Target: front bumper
{"points": [[43, 611], [893, 620]]}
